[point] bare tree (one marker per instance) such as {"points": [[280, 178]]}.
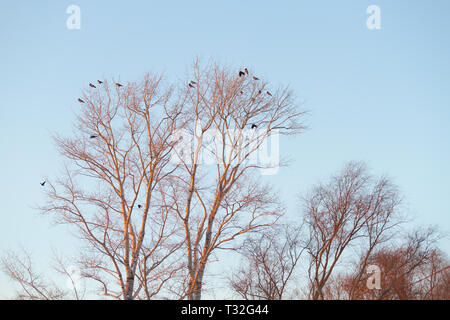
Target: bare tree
{"points": [[112, 188], [354, 208], [413, 269], [229, 117], [404, 269], [271, 258], [126, 195], [33, 285], [434, 277]]}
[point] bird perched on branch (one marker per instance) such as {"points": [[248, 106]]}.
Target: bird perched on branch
{"points": [[269, 93], [99, 82], [254, 126], [241, 73], [246, 70], [255, 78], [80, 100], [92, 86], [43, 183], [118, 85], [92, 136], [190, 85]]}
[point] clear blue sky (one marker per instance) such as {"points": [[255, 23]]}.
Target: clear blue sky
{"points": [[381, 96]]}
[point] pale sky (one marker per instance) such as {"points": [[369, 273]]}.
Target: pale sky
{"points": [[380, 96]]}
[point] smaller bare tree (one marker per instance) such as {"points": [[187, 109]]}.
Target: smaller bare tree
{"points": [[408, 271], [434, 277], [354, 209], [271, 258], [20, 268]]}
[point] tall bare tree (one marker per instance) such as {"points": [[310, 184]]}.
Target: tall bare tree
{"points": [[354, 208], [230, 116], [112, 188]]}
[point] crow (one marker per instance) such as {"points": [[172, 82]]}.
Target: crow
{"points": [[254, 126], [92, 136], [241, 74], [269, 93], [118, 84], [99, 82], [81, 101], [255, 78], [92, 86], [43, 183], [246, 70]]}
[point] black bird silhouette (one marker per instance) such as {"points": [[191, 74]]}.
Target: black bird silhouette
{"points": [[81, 101], [139, 206], [255, 78], [269, 93], [190, 85], [118, 84], [92, 86], [92, 136], [43, 183], [99, 82], [246, 70], [254, 126], [241, 74]]}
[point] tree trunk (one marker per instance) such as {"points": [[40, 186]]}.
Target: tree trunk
{"points": [[197, 294], [129, 288]]}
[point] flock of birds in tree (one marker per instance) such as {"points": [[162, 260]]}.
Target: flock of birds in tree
{"points": [[191, 84], [118, 85], [241, 73], [43, 184], [93, 136]]}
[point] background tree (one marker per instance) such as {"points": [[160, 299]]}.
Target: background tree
{"points": [[354, 209], [33, 285], [271, 258], [409, 271], [434, 277]]}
